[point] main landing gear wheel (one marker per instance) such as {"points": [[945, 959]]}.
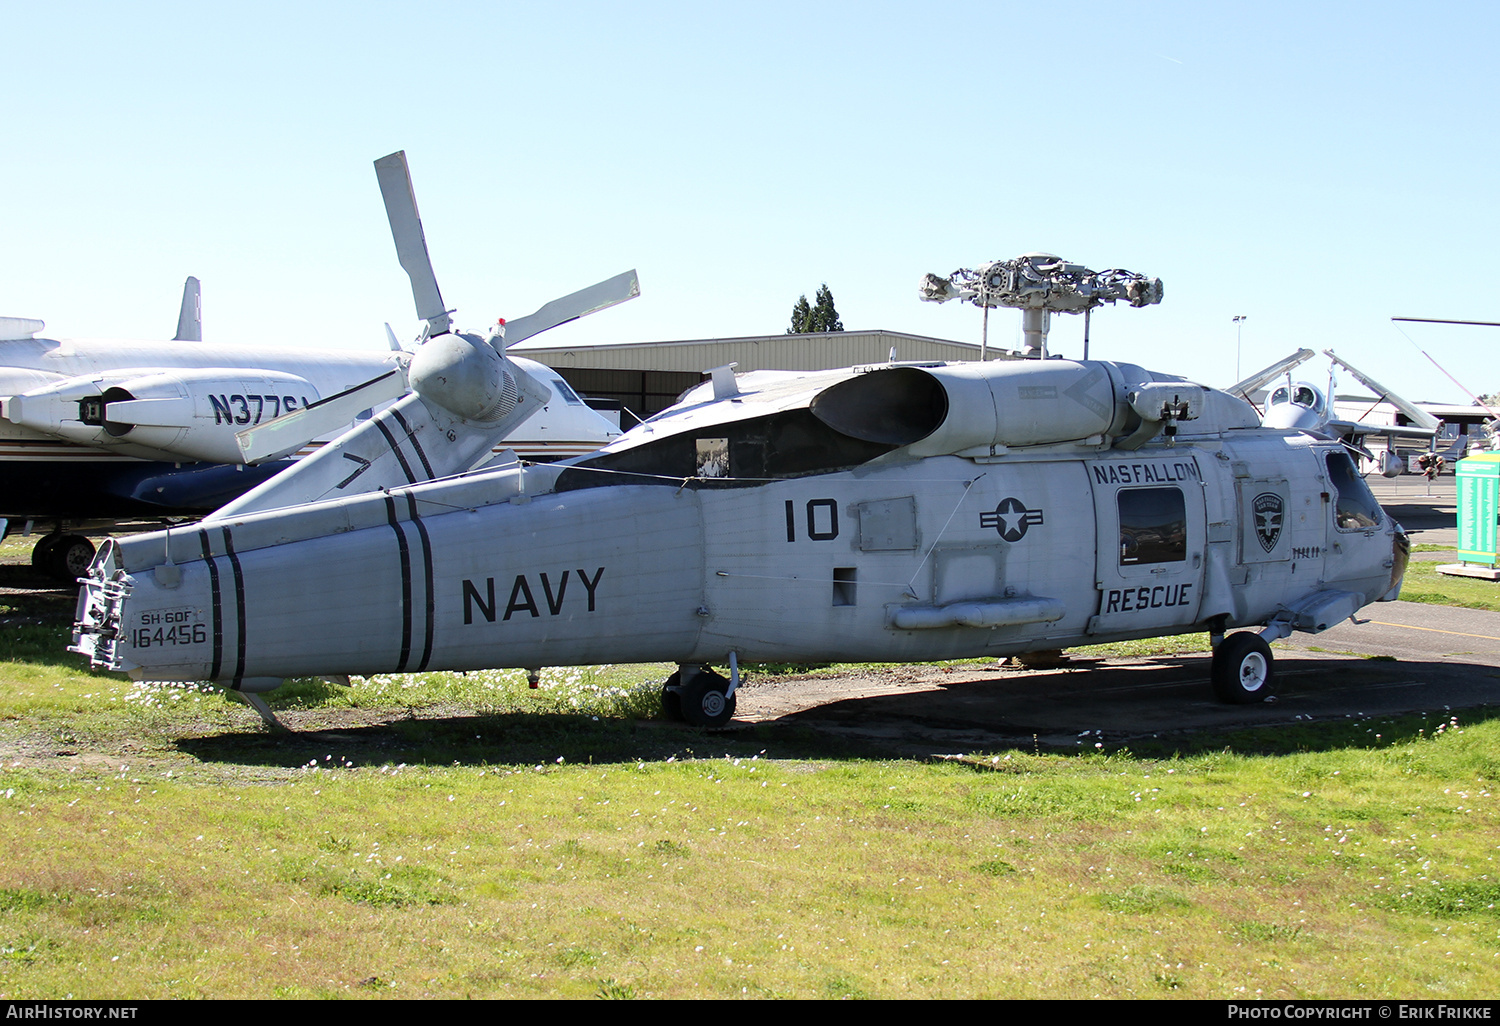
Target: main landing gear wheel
{"points": [[704, 701], [671, 701], [1243, 668], [65, 557], [41, 552]]}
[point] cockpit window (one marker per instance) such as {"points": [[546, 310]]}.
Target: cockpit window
{"points": [[1299, 394], [1355, 508], [567, 394]]}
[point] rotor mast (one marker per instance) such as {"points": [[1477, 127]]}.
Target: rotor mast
{"points": [[1039, 285]]}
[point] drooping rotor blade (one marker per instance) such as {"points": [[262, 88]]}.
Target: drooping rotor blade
{"points": [[1260, 377], [598, 297], [413, 440], [290, 432], [190, 316], [1419, 417], [411, 243]]}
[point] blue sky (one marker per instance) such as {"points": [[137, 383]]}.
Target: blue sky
{"points": [[1318, 167]]}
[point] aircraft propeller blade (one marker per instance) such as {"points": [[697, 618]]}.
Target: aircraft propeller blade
{"points": [[411, 243], [291, 431]]}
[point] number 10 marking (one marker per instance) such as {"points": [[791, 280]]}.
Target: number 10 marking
{"points": [[830, 530]]}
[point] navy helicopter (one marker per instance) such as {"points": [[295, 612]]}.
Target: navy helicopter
{"points": [[891, 512]]}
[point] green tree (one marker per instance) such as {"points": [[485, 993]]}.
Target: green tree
{"points": [[818, 316], [801, 317]]}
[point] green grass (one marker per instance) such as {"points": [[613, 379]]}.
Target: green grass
{"points": [[463, 835], [466, 836], [1424, 584]]}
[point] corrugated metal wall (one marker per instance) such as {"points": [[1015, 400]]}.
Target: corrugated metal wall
{"points": [[647, 377]]}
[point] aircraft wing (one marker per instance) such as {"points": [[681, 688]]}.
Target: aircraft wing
{"points": [[1358, 429], [1243, 389], [1418, 417]]}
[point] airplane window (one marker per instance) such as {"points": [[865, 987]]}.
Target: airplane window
{"points": [[1355, 508], [568, 395], [1153, 526], [1278, 396]]}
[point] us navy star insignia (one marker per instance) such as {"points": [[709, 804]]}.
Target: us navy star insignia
{"points": [[1011, 519]]}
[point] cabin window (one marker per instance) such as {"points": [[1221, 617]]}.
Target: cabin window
{"points": [[1153, 526], [1354, 508]]}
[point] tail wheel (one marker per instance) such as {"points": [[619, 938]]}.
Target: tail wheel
{"points": [[1243, 669], [706, 701]]}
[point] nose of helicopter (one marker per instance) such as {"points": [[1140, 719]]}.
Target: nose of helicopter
{"points": [[1400, 556]]}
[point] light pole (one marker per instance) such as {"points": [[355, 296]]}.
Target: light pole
{"points": [[1239, 326]]}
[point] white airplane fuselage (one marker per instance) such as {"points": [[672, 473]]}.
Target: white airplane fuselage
{"points": [[63, 455]]}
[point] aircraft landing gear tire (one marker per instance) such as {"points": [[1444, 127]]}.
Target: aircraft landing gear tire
{"points": [[671, 699], [65, 557], [73, 555], [1243, 668], [705, 702], [41, 552]]}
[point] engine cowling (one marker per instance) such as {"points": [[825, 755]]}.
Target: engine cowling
{"points": [[186, 416]]}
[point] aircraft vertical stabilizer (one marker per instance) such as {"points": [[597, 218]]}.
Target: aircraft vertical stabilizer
{"points": [[190, 317]]}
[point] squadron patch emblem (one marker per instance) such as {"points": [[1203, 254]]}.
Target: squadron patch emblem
{"points": [[1268, 510]]}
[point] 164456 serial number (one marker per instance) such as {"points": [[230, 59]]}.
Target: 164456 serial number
{"points": [[166, 627]]}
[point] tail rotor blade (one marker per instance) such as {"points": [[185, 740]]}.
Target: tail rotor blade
{"points": [[411, 243], [601, 296]]}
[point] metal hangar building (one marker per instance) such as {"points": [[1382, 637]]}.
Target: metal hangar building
{"points": [[647, 377]]}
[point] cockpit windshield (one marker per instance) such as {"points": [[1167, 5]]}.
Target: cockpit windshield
{"points": [[1298, 394]]}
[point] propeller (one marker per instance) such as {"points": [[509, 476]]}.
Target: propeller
{"points": [[465, 394]]}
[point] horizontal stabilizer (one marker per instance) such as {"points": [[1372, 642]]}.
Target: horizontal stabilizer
{"points": [[19, 327]]}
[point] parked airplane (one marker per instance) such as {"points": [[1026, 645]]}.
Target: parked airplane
{"points": [[1302, 406], [891, 512], [94, 431]]}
